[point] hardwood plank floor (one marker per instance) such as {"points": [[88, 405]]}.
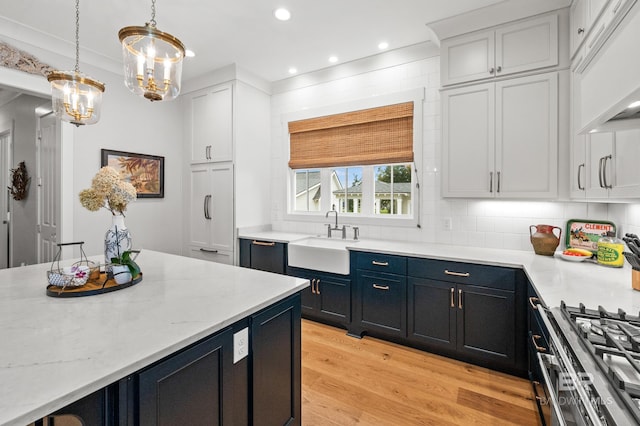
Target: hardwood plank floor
{"points": [[348, 381]]}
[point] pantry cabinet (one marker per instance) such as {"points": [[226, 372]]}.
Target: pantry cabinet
{"points": [[501, 139], [227, 134], [211, 210], [522, 46], [210, 127]]}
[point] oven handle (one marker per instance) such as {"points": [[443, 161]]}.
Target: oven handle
{"points": [[550, 390], [593, 416]]}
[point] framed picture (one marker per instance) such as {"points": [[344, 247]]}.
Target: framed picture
{"points": [[144, 172]]}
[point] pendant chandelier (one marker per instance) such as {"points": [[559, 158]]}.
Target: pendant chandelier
{"points": [[76, 97], [152, 60]]}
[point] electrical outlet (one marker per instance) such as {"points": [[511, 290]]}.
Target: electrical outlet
{"points": [[447, 224], [240, 344]]}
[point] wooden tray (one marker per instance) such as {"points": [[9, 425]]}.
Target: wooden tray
{"points": [[91, 288]]}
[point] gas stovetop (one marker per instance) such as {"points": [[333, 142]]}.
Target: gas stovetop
{"points": [[613, 341]]}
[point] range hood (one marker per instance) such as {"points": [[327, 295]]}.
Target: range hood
{"points": [[624, 115]]}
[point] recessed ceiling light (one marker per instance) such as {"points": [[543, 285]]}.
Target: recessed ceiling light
{"points": [[383, 45], [333, 59], [282, 14], [634, 104], [293, 70], [189, 53]]}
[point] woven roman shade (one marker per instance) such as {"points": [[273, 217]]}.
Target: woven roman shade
{"points": [[380, 135]]}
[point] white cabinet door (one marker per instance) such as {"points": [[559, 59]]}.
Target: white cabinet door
{"points": [[509, 49], [527, 45], [578, 172], [468, 141], [577, 24], [211, 126], [626, 163], [467, 58], [212, 206], [527, 136], [599, 152]]}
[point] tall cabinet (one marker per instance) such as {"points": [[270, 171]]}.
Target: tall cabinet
{"points": [[226, 172], [501, 108]]}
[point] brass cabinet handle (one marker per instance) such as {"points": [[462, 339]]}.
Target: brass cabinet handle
{"points": [[453, 292], [459, 299], [534, 338], [313, 286], [318, 286], [381, 287], [261, 243], [533, 301], [457, 274], [375, 262]]}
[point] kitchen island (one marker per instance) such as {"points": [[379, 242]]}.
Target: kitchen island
{"points": [[56, 351]]}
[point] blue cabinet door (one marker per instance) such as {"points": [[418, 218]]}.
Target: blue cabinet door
{"points": [[432, 313], [382, 303]]}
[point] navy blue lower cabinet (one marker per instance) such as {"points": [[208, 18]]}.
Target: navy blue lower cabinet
{"points": [[193, 387], [432, 313], [382, 303], [327, 299], [267, 256], [276, 379]]}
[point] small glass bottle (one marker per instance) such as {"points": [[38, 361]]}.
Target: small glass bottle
{"points": [[610, 250]]}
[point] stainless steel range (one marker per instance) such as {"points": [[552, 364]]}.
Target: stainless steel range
{"points": [[591, 366]]}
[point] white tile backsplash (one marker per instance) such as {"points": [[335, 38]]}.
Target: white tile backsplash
{"points": [[477, 223]]}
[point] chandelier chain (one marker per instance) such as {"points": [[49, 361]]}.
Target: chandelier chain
{"points": [[153, 13], [77, 36]]}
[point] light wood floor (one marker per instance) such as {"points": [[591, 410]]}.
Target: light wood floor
{"points": [[348, 381]]}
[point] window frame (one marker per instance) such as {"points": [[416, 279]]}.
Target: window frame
{"points": [[368, 178]]}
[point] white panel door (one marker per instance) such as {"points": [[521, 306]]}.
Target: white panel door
{"points": [[599, 151], [49, 162], [527, 45], [626, 163], [467, 58], [199, 224], [468, 141], [527, 137], [221, 207], [212, 124]]}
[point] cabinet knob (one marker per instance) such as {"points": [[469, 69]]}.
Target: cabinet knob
{"points": [[580, 30], [491, 70], [499, 69]]}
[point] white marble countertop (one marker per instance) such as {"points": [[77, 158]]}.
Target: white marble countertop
{"points": [[554, 278], [56, 350]]}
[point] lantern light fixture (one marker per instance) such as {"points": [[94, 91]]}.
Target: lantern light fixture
{"points": [[76, 98], [152, 60]]}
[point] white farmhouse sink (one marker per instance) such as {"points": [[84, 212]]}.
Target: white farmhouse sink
{"points": [[321, 254]]}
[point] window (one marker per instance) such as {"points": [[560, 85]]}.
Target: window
{"points": [[307, 190], [361, 159]]}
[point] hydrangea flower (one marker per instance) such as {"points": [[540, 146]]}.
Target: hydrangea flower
{"points": [[108, 191]]}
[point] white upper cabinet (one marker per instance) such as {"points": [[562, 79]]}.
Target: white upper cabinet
{"points": [[501, 139], [509, 49], [209, 115]]}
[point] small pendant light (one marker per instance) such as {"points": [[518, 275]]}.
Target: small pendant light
{"points": [[152, 60], [76, 97]]}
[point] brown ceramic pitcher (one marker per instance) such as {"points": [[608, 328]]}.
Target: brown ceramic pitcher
{"points": [[544, 240]]}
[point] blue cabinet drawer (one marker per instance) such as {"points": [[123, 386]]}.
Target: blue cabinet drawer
{"points": [[463, 273], [386, 263]]}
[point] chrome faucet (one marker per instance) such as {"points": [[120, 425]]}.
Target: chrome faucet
{"points": [[329, 228]]}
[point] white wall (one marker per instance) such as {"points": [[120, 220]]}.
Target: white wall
{"points": [[479, 223], [128, 123]]}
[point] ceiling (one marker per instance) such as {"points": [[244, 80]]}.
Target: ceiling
{"points": [[243, 32]]}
